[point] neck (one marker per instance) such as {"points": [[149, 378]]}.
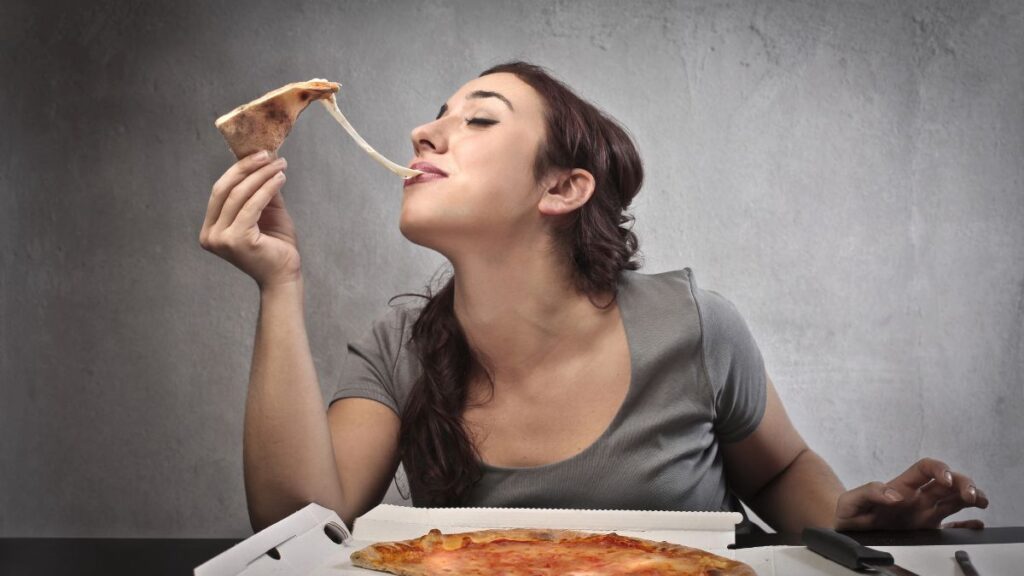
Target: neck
{"points": [[521, 313]]}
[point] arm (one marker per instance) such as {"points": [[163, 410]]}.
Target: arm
{"points": [[293, 452], [775, 473], [288, 456], [286, 451], [791, 487]]}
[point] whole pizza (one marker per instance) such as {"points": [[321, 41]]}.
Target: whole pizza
{"points": [[541, 552]]}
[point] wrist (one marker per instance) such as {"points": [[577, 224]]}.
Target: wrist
{"points": [[282, 289]]}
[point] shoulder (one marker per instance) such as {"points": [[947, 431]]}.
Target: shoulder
{"points": [[391, 329], [672, 286], [718, 315], [381, 361], [704, 317], [399, 316]]}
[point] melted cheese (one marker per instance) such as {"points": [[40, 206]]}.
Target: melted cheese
{"points": [[332, 107]]}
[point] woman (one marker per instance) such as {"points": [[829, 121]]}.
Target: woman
{"points": [[546, 371]]}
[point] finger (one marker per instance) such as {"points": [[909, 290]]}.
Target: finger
{"points": [[963, 487], [249, 215], [231, 178], [923, 471], [934, 491], [865, 498], [971, 495], [982, 499], [971, 524], [241, 193], [948, 507]]}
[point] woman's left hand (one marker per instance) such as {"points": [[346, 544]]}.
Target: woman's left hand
{"points": [[919, 498]]}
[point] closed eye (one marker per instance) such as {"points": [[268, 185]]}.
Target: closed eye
{"points": [[481, 122]]}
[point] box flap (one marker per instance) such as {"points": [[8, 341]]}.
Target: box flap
{"points": [[298, 544], [708, 530]]}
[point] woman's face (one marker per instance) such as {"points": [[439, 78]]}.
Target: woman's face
{"points": [[484, 140]]}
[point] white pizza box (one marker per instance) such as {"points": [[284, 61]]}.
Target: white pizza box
{"points": [[314, 541]]}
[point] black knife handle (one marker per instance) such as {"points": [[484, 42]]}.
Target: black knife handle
{"points": [[843, 550]]}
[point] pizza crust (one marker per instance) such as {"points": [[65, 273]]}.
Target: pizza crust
{"points": [[426, 555], [264, 123]]}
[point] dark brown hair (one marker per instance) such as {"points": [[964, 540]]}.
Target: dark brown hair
{"points": [[439, 458]]}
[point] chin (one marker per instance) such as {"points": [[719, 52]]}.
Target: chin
{"points": [[442, 233], [412, 233], [421, 231]]}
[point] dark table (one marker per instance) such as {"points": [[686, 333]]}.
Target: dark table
{"points": [[156, 557]]}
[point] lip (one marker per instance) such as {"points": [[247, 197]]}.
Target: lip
{"points": [[430, 172], [427, 167]]}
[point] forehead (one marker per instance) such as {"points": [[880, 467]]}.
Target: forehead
{"points": [[524, 98]]}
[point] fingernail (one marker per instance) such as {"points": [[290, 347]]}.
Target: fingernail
{"points": [[282, 162], [949, 478], [261, 156], [973, 492], [893, 495]]}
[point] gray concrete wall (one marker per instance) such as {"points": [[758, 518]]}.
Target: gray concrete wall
{"points": [[850, 174]]}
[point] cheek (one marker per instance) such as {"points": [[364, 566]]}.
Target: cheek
{"points": [[500, 174]]}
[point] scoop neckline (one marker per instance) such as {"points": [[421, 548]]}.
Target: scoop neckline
{"points": [[620, 414]]}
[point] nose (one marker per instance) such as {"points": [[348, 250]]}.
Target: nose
{"points": [[428, 136]]}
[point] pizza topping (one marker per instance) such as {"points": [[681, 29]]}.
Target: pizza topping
{"points": [[541, 552]]}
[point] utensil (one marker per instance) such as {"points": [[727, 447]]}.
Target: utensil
{"points": [[965, 563], [847, 552]]}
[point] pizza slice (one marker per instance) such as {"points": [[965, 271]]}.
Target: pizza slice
{"points": [[541, 552], [264, 123]]}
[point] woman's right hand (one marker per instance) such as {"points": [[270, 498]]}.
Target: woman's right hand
{"points": [[247, 224]]}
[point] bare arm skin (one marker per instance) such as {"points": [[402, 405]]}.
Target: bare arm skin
{"points": [[294, 451], [287, 453], [775, 473], [365, 437]]}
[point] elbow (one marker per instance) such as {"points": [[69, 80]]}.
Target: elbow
{"points": [[758, 492]]}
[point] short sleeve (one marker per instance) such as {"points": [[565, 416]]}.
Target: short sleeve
{"points": [[735, 368], [369, 367]]}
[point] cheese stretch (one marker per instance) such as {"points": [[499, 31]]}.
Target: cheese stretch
{"points": [[332, 107]]}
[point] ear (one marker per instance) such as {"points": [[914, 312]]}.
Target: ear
{"points": [[566, 191]]}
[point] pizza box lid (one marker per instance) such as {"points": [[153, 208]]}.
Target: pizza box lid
{"points": [[315, 542]]}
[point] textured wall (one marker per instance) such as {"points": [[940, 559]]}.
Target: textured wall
{"points": [[848, 173]]}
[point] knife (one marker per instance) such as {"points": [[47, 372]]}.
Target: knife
{"points": [[847, 552]]}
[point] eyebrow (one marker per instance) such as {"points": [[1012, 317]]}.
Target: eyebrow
{"points": [[478, 94]]}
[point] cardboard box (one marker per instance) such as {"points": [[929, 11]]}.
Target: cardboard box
{"points": [[314, 541]]}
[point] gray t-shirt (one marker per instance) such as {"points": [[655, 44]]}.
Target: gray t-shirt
{"points": [[698, 380]]}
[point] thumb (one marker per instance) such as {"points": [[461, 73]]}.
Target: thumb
{"points": [[972, 524]]}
